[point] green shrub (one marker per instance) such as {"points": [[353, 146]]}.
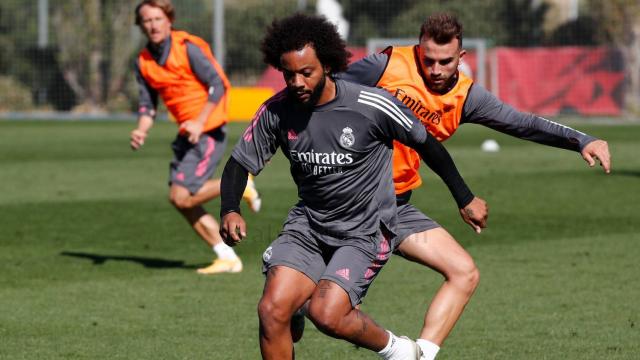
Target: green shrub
{"points": [[15, 96]]}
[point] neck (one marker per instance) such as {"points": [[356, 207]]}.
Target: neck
{"points": [[328, 93]]}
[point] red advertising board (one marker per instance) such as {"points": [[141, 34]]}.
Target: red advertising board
{"points": [[544, 81], [549, 81]]}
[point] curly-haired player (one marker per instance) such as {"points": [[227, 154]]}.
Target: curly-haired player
{"points": [[338, 138]]}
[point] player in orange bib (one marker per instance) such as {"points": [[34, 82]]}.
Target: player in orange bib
{"points": [[180, 68], [425, 77]]}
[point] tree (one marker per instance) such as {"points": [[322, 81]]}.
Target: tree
{"points": [[17, 39], [372, 18], [477, 17], [245, 24], [523, 22], [621, 21], [94, 46]]}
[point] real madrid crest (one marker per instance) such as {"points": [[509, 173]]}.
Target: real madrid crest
{"points": [[347, 139], [266, 255]]}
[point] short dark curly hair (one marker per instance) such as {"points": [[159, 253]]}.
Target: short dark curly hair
{"points": [[296, 31], [442, 28]]}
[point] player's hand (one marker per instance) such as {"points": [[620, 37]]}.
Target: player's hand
{"points": [[233, 228], [475, 214], [193, 129], [597, 149], [137, 139]]}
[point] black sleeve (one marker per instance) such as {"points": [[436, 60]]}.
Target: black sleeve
{"points": [[439, 160], [232, 184]]}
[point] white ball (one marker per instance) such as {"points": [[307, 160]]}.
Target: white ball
{"points": [[490, 145]]}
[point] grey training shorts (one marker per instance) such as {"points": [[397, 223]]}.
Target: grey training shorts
{"points": [[194, 164], [410, 221], [351, 262]]}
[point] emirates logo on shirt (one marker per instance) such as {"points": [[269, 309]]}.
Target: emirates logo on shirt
{"points": [[320, 163]]}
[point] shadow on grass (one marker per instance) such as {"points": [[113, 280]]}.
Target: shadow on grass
{"points": [[153, 263], [627, 172]]}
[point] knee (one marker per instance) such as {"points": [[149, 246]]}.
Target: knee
{"points": [[466, 276], [180, 202], [272, 314], [325, 318]]}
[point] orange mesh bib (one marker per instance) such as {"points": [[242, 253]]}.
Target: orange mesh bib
{"points": [[440, 113], [183, 94]]}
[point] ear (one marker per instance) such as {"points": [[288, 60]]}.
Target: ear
{"points": [[463, 52], [327, 70]]}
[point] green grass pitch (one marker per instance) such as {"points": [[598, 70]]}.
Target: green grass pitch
{"points": [[96, 264]]}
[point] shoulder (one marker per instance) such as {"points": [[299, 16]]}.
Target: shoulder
{"points": [[274, 107], [401, 51], [353, 90], [362, 93], [184, 39], [144, 54], [372, 102], [183, 36], [478, 96], [372, 62]]}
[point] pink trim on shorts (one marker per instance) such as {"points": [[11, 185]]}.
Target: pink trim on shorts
{"points": [[382, 257], [383, 252], [202, 165]]}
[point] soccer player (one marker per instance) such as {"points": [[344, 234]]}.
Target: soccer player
{"points": [[338, 138], [425, 77], [180, 68]]}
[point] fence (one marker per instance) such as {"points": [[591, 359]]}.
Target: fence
{"points": [[78, 55]]}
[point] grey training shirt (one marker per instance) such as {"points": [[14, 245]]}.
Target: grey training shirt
{"points": [[339, 154], [482, 107]]}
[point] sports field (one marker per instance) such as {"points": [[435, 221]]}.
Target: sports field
{"points": [[96, 264]]}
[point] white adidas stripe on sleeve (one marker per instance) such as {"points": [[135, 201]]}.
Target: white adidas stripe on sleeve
{"points": [[386, 106]]}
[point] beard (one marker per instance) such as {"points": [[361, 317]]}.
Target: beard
{"points": [[444, 86], [314, 96]]}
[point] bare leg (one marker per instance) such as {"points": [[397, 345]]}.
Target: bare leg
{"points": [[189, 206], [209, 190], [284, 292], [437, 249], [331, 311]]}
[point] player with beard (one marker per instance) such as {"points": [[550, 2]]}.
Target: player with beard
{"points": [[426, 78], [338, 138]]}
